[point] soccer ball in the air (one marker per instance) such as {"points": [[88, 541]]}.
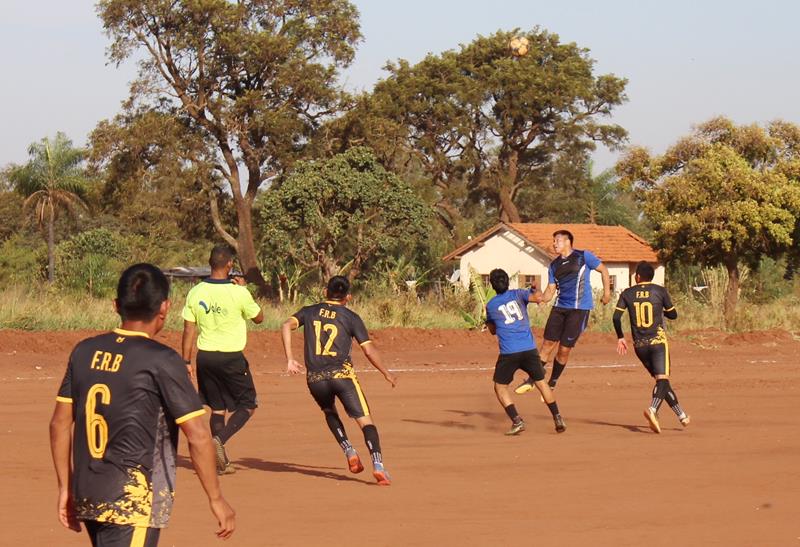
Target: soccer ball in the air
{"points": [[518, 46]]}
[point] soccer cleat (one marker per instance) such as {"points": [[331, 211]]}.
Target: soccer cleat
{"points": [[228, 470], [652, 420], [222, 457], [561, 427], [516, 428], [381, 475], [353, 461], [686, 420], [524, 387]]}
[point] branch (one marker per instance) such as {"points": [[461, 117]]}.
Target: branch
{"points": [[212, 201]]}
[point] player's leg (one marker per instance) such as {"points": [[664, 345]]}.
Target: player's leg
{"points": [[649, 356], [552, 334], [241, 393], [533, 366], [105, 534], [670, 397], [575, 322], [212, 392], [324, 394], [504, 371]]}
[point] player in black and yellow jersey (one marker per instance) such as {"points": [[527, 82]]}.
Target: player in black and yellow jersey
{"points": [[127, 395], [647, 304], [329, 331]]}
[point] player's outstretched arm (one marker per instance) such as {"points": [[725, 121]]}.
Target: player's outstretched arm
{"points": [[201, 450], [61, 446], [374, 357], [293, 366], [606, 283], [548, 294]]}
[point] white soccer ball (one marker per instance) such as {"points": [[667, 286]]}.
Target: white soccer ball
{"points": [[518, 46]]}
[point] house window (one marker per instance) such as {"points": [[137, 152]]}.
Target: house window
{"points": [[612, 281], [485, 279], [532, 281]]}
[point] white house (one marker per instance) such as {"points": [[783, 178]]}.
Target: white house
{"points": [[526, 250]]}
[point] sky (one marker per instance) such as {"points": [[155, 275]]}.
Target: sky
{"points": [[686, 61]]}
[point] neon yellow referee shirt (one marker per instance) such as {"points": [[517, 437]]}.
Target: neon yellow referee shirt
{"points": [[220, 308]]}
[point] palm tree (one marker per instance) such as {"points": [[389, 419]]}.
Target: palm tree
{"points": [[51, 181]]}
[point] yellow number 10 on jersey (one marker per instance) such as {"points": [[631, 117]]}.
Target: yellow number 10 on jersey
{"points": [[96, 426], [644, 314]]}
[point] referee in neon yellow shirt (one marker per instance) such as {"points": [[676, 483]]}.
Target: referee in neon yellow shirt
{"points": [[219, 307]]}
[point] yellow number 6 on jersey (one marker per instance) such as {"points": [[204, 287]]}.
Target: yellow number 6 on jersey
{"points": [[96, 426]]}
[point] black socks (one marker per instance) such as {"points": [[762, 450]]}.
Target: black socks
{"points": [[235, 423]]}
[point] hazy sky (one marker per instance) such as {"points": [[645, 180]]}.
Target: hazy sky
{"points": [[686, 61]]}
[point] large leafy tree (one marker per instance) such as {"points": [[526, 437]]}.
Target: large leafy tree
{"points": [[485, 124], [343, 213], [720, 196], [53, 180], [254, 77]]}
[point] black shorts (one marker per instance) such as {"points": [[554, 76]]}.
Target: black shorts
{"points": [[347, 390], [654, 357], [106, 534], [565, 325], [224, 380], [509, 363]]}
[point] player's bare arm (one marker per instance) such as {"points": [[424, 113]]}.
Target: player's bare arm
{"points": [[293, 366], [371, 352], [606, 283], [258, 319], [61, 446], [548, 294], [187, 344], [201, 450]]}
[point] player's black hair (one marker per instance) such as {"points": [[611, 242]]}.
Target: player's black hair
{"points": [[499, 280], [564, 233], [338, 287], [645, 271], [220, 255], [140, 291]]}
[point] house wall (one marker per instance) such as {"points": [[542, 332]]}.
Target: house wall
{"points": [[507, 251]]}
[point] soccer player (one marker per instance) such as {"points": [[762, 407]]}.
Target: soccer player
{"points": [[218, 307], [126, 396], [568, 275], [329, 329], [507, 318], [647, 304]]}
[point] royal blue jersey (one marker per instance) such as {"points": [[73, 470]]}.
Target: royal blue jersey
{"points": [[508, 312], [571, 277]]}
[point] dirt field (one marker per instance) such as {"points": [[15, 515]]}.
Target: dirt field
{"points": [[731, 478]]}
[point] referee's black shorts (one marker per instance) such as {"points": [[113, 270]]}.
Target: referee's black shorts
{"points": [[654, 357], [509, 363], [565, 325], [107, 534], [347, 390], [224, 380]]}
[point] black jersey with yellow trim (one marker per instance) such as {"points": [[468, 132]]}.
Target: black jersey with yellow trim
{"points": [[129, 394], [329, 329], [646, 304]]}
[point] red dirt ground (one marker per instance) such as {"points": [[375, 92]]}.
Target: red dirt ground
{"points": [[731, 478]]}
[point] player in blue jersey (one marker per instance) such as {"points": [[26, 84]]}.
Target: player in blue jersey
{"points": [[568, 277], [507, 318]]}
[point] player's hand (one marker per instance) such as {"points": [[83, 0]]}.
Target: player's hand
{"points": [[391, 378], [293, 366], [239, 280], [606, 298], [622, 346], [66, 511], [226, 517]]}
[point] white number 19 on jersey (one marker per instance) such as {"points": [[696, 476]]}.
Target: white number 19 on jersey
{"points": [[511, 312]]}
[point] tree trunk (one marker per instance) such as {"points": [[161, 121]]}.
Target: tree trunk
{"points": [[731, 291], [508, 211], [51, 248], [246, 248]]}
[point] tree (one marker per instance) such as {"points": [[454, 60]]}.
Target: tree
{"points": [[342, 213], [53, 180], [485, 124], [255, 78], [718, 196]]}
